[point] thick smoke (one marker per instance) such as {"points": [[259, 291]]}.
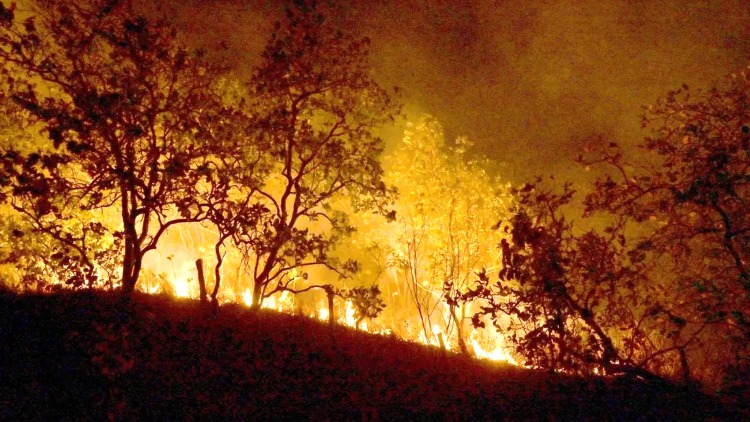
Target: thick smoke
{"points": [[526, 81]]}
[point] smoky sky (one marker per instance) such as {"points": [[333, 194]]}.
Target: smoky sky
{"points": [[528, 82]]}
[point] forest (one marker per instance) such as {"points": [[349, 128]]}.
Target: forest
{"points": [[132, 162]]}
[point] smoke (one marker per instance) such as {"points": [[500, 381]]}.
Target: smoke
{"points": [[526, 81]]}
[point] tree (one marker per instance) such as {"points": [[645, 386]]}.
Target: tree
{"points": [[41, 257], [130, 115], [577, 302], [366, 301], [664, 276], [688, 191], [316, 108], [445, 212]]}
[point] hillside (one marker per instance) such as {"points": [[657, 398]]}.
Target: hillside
{"points": [[92, 356]]}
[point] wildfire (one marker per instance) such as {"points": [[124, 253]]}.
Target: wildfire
{"points": [[498, 354], [350, 320], [181, 288], [483, 344], [494, 348], [282, 303], [247, 297], [323, 314]]}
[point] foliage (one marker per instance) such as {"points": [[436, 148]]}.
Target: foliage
{"points": [[366, 301], [47, 252], [665, 277], [315, 107], [443, 230], [129, 118], [688, 191], [572, 301]]}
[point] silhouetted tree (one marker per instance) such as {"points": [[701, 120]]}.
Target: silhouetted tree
{"points": [[663, 288], [128, 116], [367, 302], [569, 301], [316, 108], [688, 192], [46, 251]]}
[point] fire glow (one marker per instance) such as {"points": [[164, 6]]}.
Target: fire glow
{"points": [[484, 344]]}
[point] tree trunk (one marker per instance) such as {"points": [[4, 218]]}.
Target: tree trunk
{"points": [[459, 331], [217, 273], [128, 278], [128, 284], [257, 295], [329, 293], [201, 281], [439, 336], [131, 263]]}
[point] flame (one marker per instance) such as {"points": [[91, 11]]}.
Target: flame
{"points": [[349, 318], [181, 288], [247, 297], [498, 352], [183, 281], [485, 345], [153, 289], [349, 315], [434, 339], [282, 303], [323, 314]]}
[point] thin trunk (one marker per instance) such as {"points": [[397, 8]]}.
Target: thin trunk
{"points": [[131, 264], [257, 295], [261, 280], [128, 278], [217, 271], [439, 336], [201, 281], [414, 291], [330, 293], [130, 275], [685, 367], [459, 331], [217, 282], [127, 263]]}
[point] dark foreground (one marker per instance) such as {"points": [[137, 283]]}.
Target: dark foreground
{"points": [[91, 356]]}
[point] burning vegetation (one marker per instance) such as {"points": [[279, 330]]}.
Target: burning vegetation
{"points": [[130, 162]]}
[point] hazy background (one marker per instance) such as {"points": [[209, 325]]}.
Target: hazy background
{"points": [[528, 82]]}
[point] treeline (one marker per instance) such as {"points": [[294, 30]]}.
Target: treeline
{"points": [[114, 132]]}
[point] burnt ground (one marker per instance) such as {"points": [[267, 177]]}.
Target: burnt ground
{"points": [[82, 356]]}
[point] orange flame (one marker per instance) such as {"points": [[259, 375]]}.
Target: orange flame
{"points": [[484, 344]]}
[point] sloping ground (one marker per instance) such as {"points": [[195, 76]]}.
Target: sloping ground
{"points": [[93, 356]]}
